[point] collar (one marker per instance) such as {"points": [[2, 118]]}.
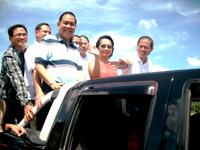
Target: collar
{"points": [[36, 42], [60, 39], [18, 51], [139, 60]]}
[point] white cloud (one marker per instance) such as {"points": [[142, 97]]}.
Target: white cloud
{"points": [[62, 5], [157, 68], [148, 24], [175, 6], [193, 61], [122, 43], [168, 41], [157, 57]]}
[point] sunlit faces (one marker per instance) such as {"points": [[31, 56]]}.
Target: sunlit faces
{"points": [[19, 38], [66, 26], [44, 30], [144, 49], [83, 44], [105, 48]]}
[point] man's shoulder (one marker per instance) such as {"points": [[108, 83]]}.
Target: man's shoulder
{"points": [[150, 62], [31, 50], [49, 39], [35, 44], [8, 52], [50, 36]]}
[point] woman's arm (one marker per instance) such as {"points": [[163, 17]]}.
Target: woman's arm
{"points": [[94, 65]]}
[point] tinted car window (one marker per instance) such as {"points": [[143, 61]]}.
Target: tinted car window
{"points": [[194, 116], [111, 122]]}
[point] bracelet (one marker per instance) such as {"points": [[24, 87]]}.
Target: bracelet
{"points": [[126, 65], [52, 82]]}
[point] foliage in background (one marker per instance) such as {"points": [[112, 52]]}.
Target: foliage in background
{"points": [[195, 107]]}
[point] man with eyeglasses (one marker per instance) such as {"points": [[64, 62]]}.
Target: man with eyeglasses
{"points": [[81, 42], [137, 62], [12, 86]]}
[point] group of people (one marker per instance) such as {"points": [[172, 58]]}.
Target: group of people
{"points": [[28, 73]]}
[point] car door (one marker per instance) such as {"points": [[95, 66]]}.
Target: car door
{"points": [[110, 116]]}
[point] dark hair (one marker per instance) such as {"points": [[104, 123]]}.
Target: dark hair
{"points": [[38, 27], [106, 37], [67, 12], [11, 28], [75, 36], [85, 37], [146, 37]]}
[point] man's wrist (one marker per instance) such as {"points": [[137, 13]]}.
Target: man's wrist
{"points": [[53, 81]]}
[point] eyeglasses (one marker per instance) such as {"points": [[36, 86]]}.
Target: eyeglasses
{"points": [[20, 34], [81, 44], [108, 46], [77, 43]]}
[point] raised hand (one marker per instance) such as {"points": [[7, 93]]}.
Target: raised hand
{"points": [[92, 50]]}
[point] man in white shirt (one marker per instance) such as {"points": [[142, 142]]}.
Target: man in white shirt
{"points": [[81, 42], [84, 59], [41, 30], [137, 62]]}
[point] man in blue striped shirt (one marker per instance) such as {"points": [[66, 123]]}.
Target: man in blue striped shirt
{"points": [[58, 62]]}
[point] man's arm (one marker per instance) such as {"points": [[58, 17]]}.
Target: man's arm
{"points": [[15, 128], [38, 89], [15, 75], [46, 77], [121, 64]]}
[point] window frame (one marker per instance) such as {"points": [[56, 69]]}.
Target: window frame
{"points": [[145, 87], [187, 99]]}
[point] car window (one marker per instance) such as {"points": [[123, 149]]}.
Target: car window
{"points": [[110, 122], [194, 117]]}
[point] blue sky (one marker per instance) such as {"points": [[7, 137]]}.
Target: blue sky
{"points": [[173, 25]]}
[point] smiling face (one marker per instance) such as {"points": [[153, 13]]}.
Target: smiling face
{"points": [[105, 48], [83, 47], [19, 38], [42, 32], [66, 27], [144, 49]]}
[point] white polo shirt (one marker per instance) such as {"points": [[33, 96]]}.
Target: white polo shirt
{"points": [[84, 62], [137, 65], [29, 65]]}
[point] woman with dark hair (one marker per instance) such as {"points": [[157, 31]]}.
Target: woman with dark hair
{"points": [[100, 67]]}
